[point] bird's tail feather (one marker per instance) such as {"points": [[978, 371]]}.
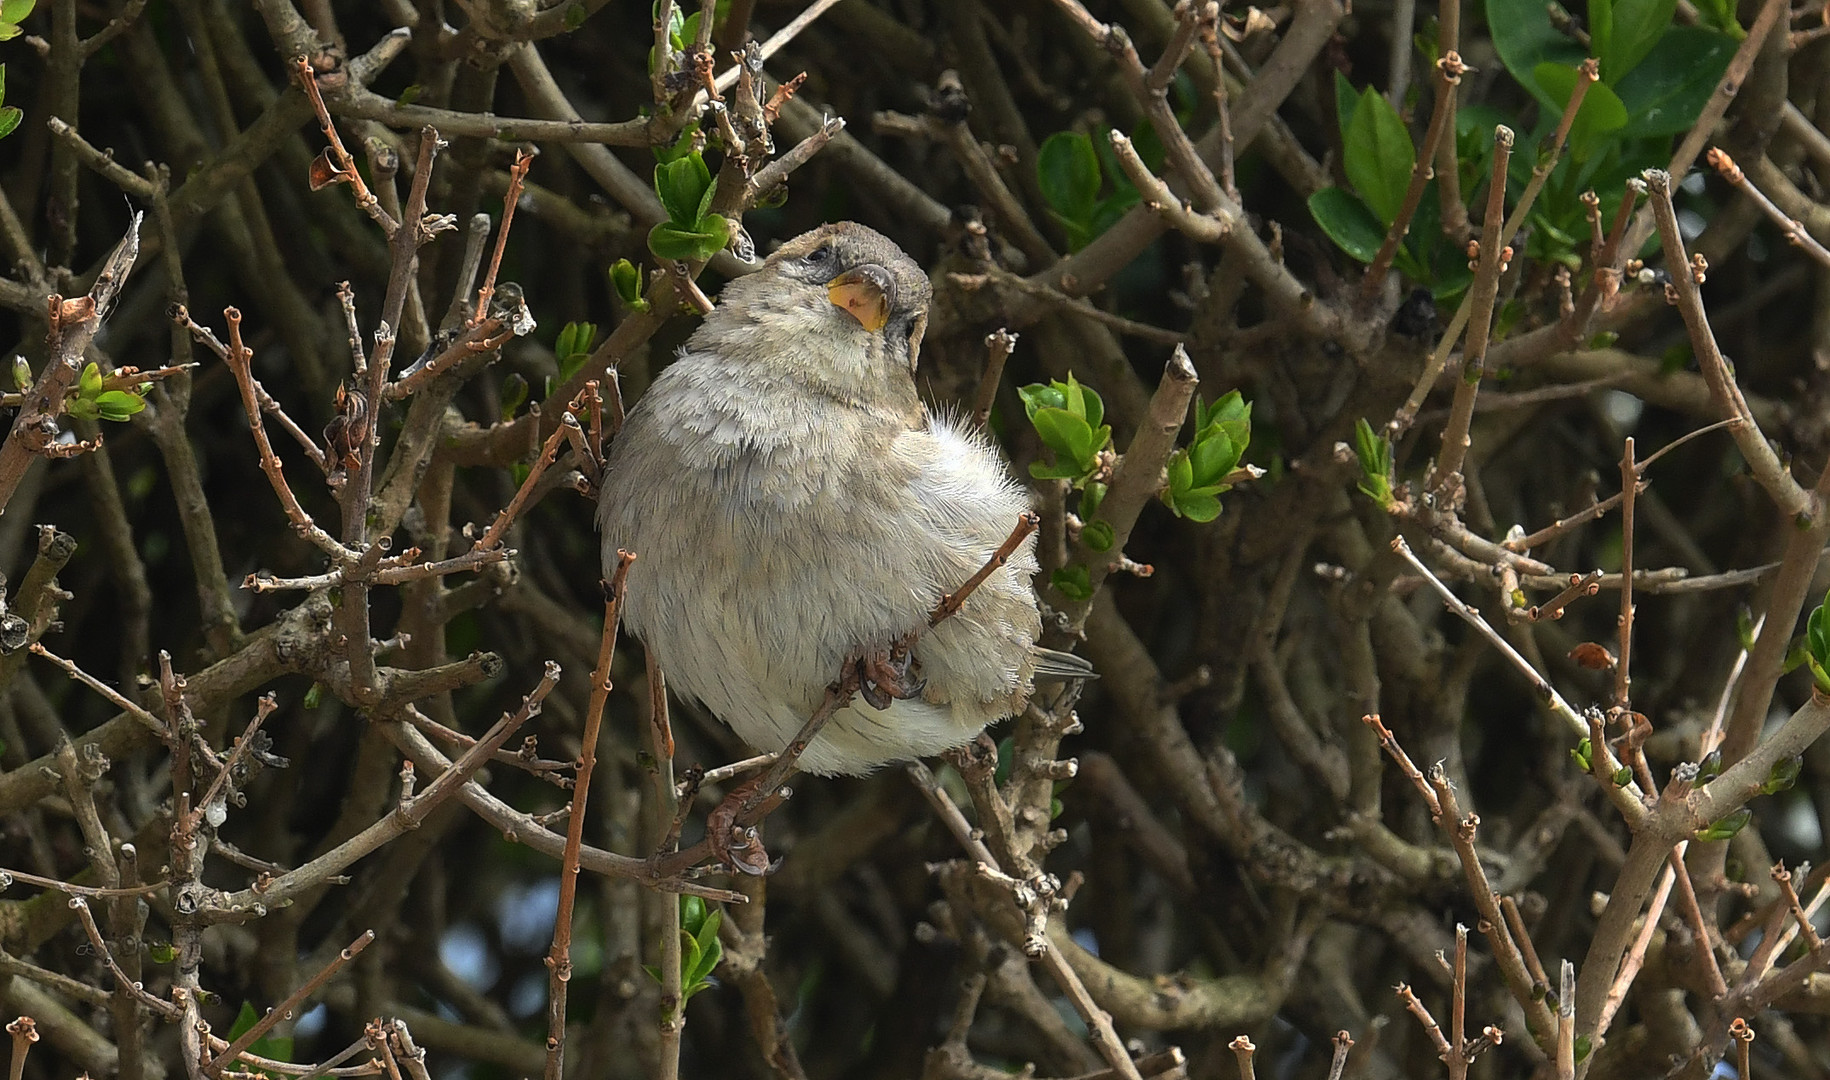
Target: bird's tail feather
{"points": [[1052, 664]]}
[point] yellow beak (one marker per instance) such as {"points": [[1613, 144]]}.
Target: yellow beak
{"points": [[861, 295]]}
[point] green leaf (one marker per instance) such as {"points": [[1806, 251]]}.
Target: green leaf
{"points": [[1214, 456], [162, 952], [1098, 534], [1665, 94], [1067, 171], [1066, 434], [514, 395], [118, 405], [1600, 114], [1073, 582], [1710, 767], [1197, 505], [1583, 755], [626, 281], [687, 142], [15, 11], [1783, 774], [1524, 37], [1378, 155], [409, 95], [1037, 396], [1726, 827], [1346, 101], [1623, 776], [276, 1048], [1348, 222], [89, 383], [1090, 498], [669, 241], [22, 373], [1632, 28], [574, 341], [575, 16], [682, 185]]}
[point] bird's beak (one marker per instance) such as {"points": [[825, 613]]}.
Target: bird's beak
{"points": [[864, 293]]}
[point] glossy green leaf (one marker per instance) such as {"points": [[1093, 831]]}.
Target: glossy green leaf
{"points": [[1346, 100], [1378, 155], [15, 11], [1524, 37], [1665, 94], [1710, 767], [1348, 222], [1583, 755], [1067, 171], [1037, 396], [1098, 535], [1623, 32], [1601, 112], [1066, 434]]}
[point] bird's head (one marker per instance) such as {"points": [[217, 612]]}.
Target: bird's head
{"points": [[861, 284]]}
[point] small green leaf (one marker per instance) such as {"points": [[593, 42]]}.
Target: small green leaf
{"points": [[314, 695], [118, 405], [1098, 535], [672, 243], [1037, 396], [89, 383], [1783, 775], [1623, 776], [15, 11], [575, 17], [1073, 582], [1348, 222], [1066, 434], [1378, 155], [1726, 827], [626, 281], [162, 952], [682, 185], [1197, 505], [1067, 172], [22, 373], [409, 95], [514, 395], [1090, 498], [1583, 755]]}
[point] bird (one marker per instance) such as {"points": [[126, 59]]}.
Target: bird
{"points": [[796, 512]]}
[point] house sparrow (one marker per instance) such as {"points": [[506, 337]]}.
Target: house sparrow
{"points": [[796, 512]]}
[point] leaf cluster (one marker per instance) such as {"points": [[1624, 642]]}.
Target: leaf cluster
{"points": [[1197, 472]]}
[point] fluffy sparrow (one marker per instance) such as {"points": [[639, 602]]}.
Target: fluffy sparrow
{"points": [[796, 512]]}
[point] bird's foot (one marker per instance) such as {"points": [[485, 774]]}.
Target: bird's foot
{"points": [[737, 845], [886, 675]]}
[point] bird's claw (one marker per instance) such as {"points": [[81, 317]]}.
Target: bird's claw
{"points": [[737, 846], [888, 675]]}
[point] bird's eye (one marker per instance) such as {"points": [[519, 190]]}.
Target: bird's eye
{"points": [[819, 255]]}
